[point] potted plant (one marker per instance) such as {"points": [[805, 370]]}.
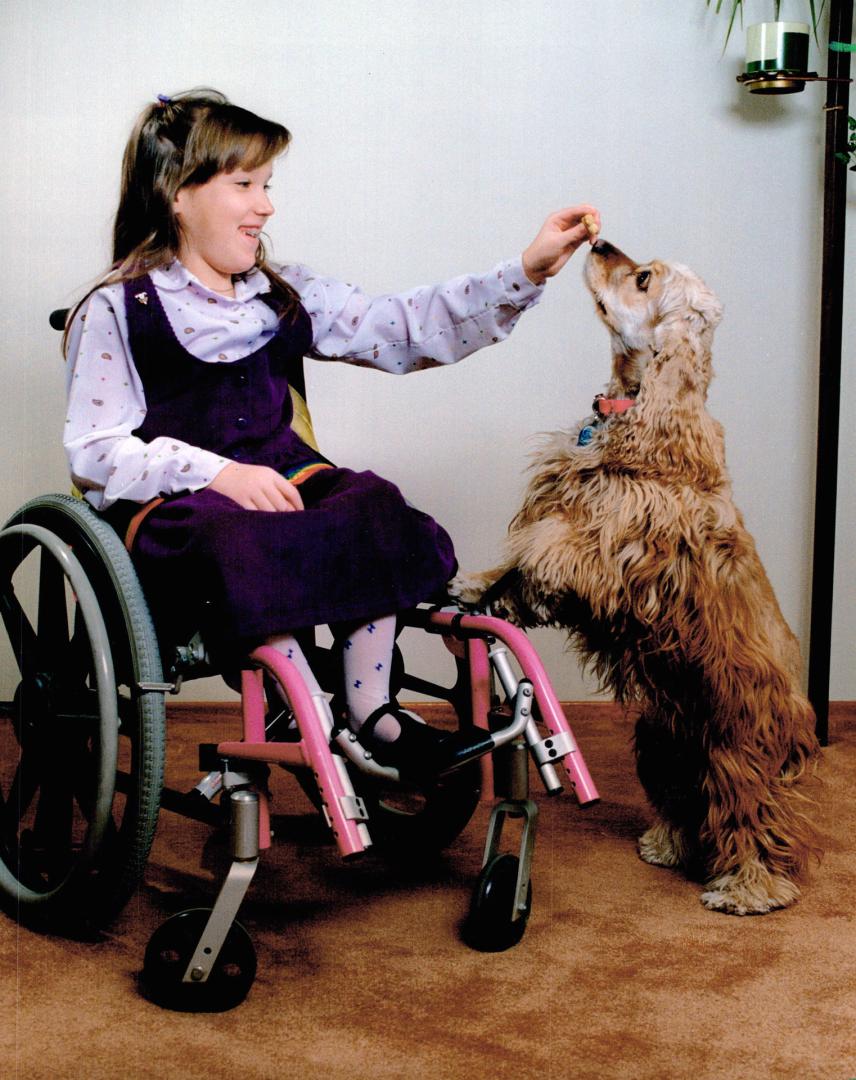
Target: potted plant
{"points": [[776, 51]]}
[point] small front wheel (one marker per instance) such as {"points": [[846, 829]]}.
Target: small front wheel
{"points": [[169, 952], [493, 924]]}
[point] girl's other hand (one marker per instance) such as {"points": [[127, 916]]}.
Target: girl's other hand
{"points": [[560, 236], [257, 487]]}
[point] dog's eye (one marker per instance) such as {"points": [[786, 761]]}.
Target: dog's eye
{"points": [[601, 307], [642, 279]]}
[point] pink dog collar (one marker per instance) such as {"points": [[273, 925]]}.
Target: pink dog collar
{"points": [[605, 406]]}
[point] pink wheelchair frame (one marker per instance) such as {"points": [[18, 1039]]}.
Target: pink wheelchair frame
{"points": [[177, 974]]}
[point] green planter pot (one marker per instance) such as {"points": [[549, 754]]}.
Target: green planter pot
{"points": [[776, 55]]}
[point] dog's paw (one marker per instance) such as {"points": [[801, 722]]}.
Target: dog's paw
{"points": [[742, 893], [468, 589], [662, 845]]}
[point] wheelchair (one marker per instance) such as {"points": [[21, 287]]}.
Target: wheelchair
{"points": [[83, 723]]}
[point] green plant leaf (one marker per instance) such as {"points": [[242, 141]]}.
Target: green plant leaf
{"points": [[738, 6]]}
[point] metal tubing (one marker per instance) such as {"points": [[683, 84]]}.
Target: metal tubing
{"points": [[229, 899], [499, 658], [332, 786], [829, 380], [245, 825], [457, 624], [479, 671], [245, 807]]}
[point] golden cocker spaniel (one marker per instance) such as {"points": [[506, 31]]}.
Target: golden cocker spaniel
{"points": [[628, 538]]}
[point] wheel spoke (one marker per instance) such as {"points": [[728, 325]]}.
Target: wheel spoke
{"points": [[22, 636], [62, 777], [52, 619], [79, 650], [24, 786], [53, 826], [69, 607]]}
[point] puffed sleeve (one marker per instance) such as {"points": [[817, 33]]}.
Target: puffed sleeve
{"points": [[423, 327], [106, 404]]}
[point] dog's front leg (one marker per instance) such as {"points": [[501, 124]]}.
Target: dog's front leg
{"points": [[664, 845], [497, 588], [538, 574], [470, 588]]}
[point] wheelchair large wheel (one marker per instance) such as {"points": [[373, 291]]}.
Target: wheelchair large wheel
{"points": [[407, 821], [81, 740]]}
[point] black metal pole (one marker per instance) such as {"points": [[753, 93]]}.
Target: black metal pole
{"points": [[829, 384]]}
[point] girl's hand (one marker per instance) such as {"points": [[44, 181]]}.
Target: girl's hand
{"points": [[256, 487], [560, 236]]}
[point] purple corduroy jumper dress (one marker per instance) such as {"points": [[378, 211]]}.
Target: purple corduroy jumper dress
{"points": [[356, 552]]}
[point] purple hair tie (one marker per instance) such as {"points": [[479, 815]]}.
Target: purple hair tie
{"points": [[164, 99]]}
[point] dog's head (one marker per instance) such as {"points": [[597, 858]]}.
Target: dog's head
{"points": [[648, 307]]}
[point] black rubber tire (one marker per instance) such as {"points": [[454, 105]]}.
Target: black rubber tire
{"points": [[169, 952], [50, 873], [490, 926], [407, 821]]}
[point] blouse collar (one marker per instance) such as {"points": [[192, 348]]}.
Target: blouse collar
{"points": [[176, 276]]}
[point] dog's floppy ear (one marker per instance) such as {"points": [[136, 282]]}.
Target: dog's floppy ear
{"points": [[669, 433], [685, 298]]}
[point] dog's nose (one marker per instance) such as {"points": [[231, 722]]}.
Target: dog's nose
{"points": [[603, 248]]}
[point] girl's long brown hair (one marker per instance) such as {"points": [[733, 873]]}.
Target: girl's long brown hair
{"points": [[179, 142]]}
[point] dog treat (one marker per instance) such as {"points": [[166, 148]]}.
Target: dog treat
{"points": [[591, 225]]}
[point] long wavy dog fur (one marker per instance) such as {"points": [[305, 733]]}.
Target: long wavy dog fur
{"points": [[634, 545]]}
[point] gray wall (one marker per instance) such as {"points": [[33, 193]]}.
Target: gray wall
{"points": [[433, 138]]}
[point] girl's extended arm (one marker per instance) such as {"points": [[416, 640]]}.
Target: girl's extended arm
{"points": [[437, 324], [424, 327]]}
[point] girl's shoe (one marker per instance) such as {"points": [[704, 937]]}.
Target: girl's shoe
{"points": [[420, 753]]}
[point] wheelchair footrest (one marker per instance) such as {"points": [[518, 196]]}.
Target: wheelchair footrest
{"points": [[462, 747]]}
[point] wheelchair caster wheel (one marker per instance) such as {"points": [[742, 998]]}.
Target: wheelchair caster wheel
{"points": [[169, 952], [490, 926]]}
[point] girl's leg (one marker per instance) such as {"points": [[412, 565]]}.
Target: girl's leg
{"points": [[291, 650], [394, 736], [367, 661]]}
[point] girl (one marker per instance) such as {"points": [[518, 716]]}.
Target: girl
{"points": [[180, 418]]}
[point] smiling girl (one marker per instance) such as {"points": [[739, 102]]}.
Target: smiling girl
{"points": [[180, 420]]}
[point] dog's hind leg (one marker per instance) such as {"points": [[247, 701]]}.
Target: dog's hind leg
{"points": [[751, 889], [668, 766], [757, 828]]}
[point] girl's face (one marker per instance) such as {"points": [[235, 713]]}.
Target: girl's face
{"points": [[219, 223]]}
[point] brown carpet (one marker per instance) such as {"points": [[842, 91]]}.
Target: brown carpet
{"points": [[362, 974]]}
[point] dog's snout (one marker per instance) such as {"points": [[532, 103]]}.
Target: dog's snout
{"points": [[604, 248], [608, 256]]}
